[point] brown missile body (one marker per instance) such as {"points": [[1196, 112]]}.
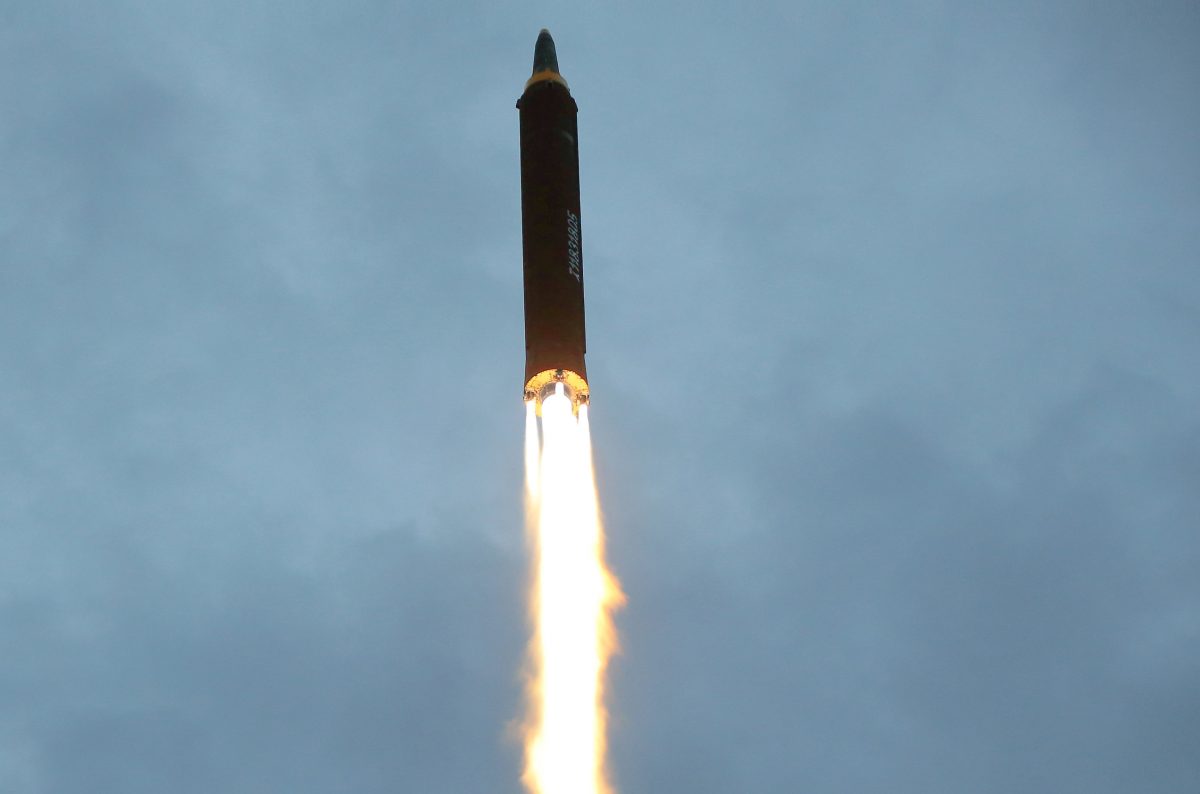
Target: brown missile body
{"points": [[552, 237]]}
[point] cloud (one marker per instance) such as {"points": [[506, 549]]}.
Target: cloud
{"points": [[891, 322]]}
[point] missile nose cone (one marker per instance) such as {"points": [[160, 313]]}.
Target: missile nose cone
{"points": [[545, 58]]}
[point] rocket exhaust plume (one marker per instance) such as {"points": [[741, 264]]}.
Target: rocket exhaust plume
{"points": [[573, 592]]}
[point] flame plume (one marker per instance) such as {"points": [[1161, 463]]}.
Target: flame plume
{"points": [[573, 594]]}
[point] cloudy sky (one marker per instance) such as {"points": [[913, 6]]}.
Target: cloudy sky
{"points": [[894, 324]]}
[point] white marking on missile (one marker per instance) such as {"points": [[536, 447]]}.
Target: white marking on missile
{"points": [[574, 249]]}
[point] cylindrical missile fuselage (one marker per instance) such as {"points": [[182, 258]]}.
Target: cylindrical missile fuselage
{"points": [[552, 236]]}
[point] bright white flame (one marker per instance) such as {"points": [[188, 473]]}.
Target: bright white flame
{"points": [[573, 593], [531, 455]]}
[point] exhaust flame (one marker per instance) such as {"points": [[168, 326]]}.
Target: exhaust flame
{"points": [[573, 593]]}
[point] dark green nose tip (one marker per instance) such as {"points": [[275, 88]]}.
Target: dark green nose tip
{"points": [[545, 58]]}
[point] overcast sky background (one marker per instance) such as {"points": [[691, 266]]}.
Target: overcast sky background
{"points": [[894, 324]]}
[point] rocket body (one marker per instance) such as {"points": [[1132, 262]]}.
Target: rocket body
{"points": [[552, 237]]}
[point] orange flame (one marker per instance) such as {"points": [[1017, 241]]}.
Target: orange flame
{"points": [[572, 599]]}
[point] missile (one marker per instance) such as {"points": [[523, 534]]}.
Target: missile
{"points": [[551, 234]]}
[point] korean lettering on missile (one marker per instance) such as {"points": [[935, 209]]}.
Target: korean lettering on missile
{"points": [[574, 257]]}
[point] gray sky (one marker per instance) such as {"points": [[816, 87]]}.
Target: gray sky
{"points": [[893, 322]]}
